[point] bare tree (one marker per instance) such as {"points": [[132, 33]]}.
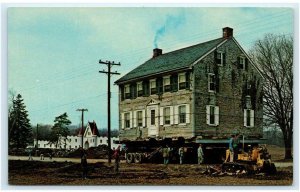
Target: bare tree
{"points": [[274, 57]]}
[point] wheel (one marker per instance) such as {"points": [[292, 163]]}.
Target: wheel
{"points": [[138, 158], [129, 158]]}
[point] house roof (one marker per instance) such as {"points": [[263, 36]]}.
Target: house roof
{"points": [[171, 61], [93, 127]]}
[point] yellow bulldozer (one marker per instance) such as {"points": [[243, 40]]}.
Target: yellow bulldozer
{"points": [[256, 160]]}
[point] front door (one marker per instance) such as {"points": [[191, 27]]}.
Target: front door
{"points": [[152, 120]]}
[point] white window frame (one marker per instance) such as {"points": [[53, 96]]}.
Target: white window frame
{"points": [[139, 87], [251, 117], [126, 91], [152, 87], [165, 116], [127, 114], [137, 118], [220, 53], [216, 115], [179, 81], [179, 114], [211, 79], [168, 79]]}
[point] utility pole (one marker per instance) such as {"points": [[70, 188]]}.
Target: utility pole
{"points": [[82, 117], [37, 136], [109, 74]]}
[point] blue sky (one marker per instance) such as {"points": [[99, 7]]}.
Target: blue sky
{"points": [[53, 53]]}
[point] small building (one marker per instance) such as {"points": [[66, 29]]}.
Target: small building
{"points": [[90, 136], [208, 90]]}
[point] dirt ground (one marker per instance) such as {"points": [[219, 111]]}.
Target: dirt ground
{"points": [[68, 173], [23, 172]]}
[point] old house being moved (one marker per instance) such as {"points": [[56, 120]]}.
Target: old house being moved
{"points": [[202, 93]]}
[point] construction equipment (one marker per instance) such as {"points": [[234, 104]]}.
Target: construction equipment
{"points": [[256, 160]]}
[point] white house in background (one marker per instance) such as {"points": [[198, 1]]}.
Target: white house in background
{"points": [[91, 138]]}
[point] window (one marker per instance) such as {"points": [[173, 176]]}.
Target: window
{"points": [[44, 145], [248, 102], [140, 118], [248, 118], [89, 133], [153, 87], [70, 140], [242, 62], [75, 147], [93, 140], [182, 80], [167, 85], [127, 120], [127, 91], [140, 89], [75, 140], [152, 117], [220, 58], [182, 114], [38, 145], [100, 140], [212, 115], [211, 82], [167, 115]]}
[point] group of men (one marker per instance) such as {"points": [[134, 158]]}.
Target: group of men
{"points": [[181, 152], [233, 148]]}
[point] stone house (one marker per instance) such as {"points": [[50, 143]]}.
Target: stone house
{"points": [[202, 93]]}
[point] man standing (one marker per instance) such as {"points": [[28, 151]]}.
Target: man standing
{"points": [[116, 156], [235, 145], [84, 164], [180, 153], [166, 154], [231, 154], [200, 154]]}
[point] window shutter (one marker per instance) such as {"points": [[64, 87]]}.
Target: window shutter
{"points": [[144, 118], [245, 117], [224, 58], [146, 88], [217, 80], [176, 114], [217, 115], [252, 118], [130, 117], [207, 114], [238, 62], [122, 120], [216, 56], [187, 79], [161, 116], [187, 113], [171, 115], [135, 119], [246, 64], [174, 82], [122, 92]]}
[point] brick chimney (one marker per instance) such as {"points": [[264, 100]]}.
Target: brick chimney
{"points": [[157, 52], [227, 32]]}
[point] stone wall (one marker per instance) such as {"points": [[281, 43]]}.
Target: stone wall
{"points": [[230, 96]]}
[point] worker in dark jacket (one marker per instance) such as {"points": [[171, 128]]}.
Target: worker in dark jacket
{"points": [[235, 145], [84, 164], [116, 156]]}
